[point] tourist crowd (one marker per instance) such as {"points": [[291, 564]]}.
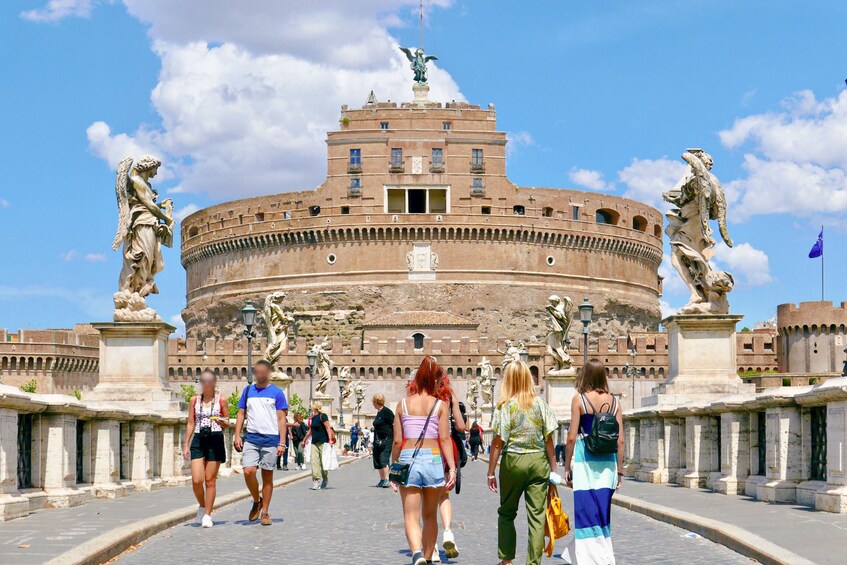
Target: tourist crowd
{"points": [[419, 448]]}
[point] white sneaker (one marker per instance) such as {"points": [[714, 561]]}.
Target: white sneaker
{"points": [[436, 556], [451, 550], [207, 522], [316, 485], [200, 513]]}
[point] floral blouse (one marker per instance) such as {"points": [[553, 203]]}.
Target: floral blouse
{"points": [[524, 431]]}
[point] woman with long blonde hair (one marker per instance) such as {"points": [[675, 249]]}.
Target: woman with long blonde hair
{"points": [[523, 429]]}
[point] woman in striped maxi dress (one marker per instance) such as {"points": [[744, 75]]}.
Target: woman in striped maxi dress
{"points": [[594, 478]]}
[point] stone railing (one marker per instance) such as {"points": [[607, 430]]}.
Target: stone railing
{"points": [[56, 451], [783, 444]]}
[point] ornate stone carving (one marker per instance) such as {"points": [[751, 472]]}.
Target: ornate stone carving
{"points": [[560, 314], [359, 393], [323, 366], [344, 385], [473, 397], [278, 323], [143, 227], [699, 198], [485, 373]]}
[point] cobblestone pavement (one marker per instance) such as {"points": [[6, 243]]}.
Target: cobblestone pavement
{"points": [[354, 522]]}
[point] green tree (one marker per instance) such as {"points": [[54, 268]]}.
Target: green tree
{"points": [[188, 393], [77, 393], [31, 386], [296, 406], [232, 399]]}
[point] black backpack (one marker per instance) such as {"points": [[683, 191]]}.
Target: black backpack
{"points": [[602, 438]]}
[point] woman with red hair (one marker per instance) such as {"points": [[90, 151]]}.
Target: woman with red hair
{"points": [[424, 419]]}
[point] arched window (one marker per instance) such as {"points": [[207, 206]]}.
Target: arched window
{"points": [[606, 216], [419, 340], [534, 370], [639, 223]]}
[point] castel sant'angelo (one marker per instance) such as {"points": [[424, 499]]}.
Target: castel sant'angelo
{"points": [[418, 236]]}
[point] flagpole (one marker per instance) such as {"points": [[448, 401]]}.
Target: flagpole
{"points": [[822, 270]]}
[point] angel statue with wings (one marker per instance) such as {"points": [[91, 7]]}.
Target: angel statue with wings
{"points": [[560, 311], [699, 198], [323, 366], [278, 322], [143, 227], [419, 61]]}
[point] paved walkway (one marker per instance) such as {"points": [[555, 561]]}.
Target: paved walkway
{"points": [[47, 533], [354, 522], [820, 537]]}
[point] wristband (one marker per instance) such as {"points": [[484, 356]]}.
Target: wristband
{"points": [[491, 477]]}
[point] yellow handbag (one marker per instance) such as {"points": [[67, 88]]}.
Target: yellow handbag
{"points": [[557, 524]]}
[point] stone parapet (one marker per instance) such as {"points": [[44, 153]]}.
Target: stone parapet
{"points": [[56, 451], [784, 444]]}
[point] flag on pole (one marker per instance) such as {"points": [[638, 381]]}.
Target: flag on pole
{"points": [[817, 248]]}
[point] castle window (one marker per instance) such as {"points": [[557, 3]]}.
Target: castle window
{"points": [[476, 182], [355, 156], [547, 212], [355, 182], [345, 209], [437, 156], [477, 162], [486, 210], [605, 216], [518, 210], [419, 340], [639, 223], [286, 215], [575, 212], [314, 210], [396, 156], [383, 125], [446, 126], [193, 231], [260, 216], [416, 201]]}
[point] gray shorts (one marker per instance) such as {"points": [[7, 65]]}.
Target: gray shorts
{"points": [[258, 456]]}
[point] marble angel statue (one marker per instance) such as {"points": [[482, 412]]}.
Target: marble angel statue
{"points": [[144, 225], [345, 385], [278, 322], [359, 392], [323, 366], [485, 373], [699, 198], [560, 313], [512, 353], [473, 396]]}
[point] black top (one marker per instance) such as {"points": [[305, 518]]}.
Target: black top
{"points": [[475, 430], [384, 424], [298, 432], [319, 433]]}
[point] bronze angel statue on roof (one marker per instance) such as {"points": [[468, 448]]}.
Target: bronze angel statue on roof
{"points": [[143, 227], [699, 198], [419, 61]]}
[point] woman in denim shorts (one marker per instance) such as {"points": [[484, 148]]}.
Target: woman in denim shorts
{"points": [[421, 436]]}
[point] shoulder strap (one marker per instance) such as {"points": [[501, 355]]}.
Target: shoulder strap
{"points": [[585, 399], [405, 410], [423, 431]]}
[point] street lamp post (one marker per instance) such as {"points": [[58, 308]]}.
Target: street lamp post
{"points": [[586, 312], [342, 384], [248, 316], [493, 380], [630, 371], [311, 356]]}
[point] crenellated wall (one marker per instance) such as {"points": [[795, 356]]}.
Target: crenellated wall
{"points": [[812, 337]]}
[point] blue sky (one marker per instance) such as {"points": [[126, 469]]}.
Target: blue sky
{"points": [[595, 95]]}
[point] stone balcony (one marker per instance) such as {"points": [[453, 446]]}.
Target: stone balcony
{"points": [[396, 167]]}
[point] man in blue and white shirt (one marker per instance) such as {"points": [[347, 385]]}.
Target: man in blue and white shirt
{"points": [[267, 409]]}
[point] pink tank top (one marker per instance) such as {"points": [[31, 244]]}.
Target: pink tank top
{"points": [[413, 425]]}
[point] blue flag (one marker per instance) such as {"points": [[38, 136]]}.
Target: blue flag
{"points": [[817, 248]]}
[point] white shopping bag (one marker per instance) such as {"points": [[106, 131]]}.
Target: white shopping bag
{"points": [[329, 457], [307, 452]]}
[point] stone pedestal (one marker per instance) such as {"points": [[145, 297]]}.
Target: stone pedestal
{"points": [[327, 403], [560, 391], [421, 93], [784, 456], [702, 360], [105, 447], [735, 459], [134, 366], [58, 433]]}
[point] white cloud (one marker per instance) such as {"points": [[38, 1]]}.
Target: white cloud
{"points": [[667, 309], [247, 90], [95, 257], [745, 260], [795, 162], [4, 203], [672, 283], [73, 255], [69, 255], [590, 179], [176, 320], [517, 140], [95, 305], [647, 179], [185, 211], [56, 10]]}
